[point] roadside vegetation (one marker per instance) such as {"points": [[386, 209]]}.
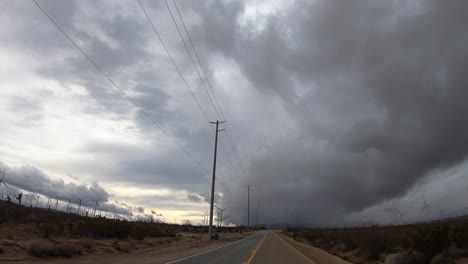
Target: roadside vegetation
{"points": [[48, 233], [437, 242]]}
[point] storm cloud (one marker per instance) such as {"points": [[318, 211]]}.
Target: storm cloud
{"points": [[337, 108]]}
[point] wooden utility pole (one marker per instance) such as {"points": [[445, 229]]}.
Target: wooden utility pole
{"points": [[258, 207], [210, 228], [248, 205]]}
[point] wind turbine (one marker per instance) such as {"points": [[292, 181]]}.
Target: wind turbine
{"points": [[366, 217], [48, 203], [56, 203], [205, 219], [220, 220], [38, 198], [154, 213], [79, 205], [115, 212], [400, 214], [2, 181], [19, 197], [426, 208], [68, 205], [96, 205], [116, 208], [29, 197], [390, 211]]}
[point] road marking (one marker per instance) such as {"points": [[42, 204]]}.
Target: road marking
{"points": [[295, 249], [177, 260], [254, 252]]}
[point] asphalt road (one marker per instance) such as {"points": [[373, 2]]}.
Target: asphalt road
{"points": [[260, 248], [234, 253], [275, 250]]}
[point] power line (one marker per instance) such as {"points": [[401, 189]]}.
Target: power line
{"points": [[172, 59], [120, 89], [230, 137], [190, 55], [196, 68], [180, 73]]}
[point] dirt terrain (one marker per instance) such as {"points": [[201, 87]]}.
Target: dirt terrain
{"points": [[16, 242], [35, 235]]}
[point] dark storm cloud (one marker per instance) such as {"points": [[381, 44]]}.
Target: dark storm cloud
{"points": [[355, 102], [376, 88], [30, 179]]}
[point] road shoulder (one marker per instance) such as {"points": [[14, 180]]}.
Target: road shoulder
{"points": [[317, 255]]}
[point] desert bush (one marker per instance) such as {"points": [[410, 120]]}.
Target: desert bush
{"points": [[87, 243], [67, 250], [125, 246], [138, 232], [460, 235], [103, 228], [441, 259], [63, 250], [40, 248], [431, 240], [46, 229], [374, 245]]}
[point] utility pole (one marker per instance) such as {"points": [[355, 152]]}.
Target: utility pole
{"points": [[286, 219], [258, 207], [210, 228], [248, 205]]}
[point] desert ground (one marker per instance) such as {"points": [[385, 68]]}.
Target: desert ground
{"points": [[35, 235]]}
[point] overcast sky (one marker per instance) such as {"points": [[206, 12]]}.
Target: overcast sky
{"points": [[338, 109]]}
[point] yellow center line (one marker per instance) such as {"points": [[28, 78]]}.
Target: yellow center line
{"points": [[254, 252]]}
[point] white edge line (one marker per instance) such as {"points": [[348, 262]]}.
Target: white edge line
{"points": [[295, 249], [177, 260]]}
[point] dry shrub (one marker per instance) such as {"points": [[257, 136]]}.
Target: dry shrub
{"points": [[125, 246], [46, 229], [431, 240], [374, 245], [87, 243], [40, 248], [441, 259], [67, 250], [138, 232]]}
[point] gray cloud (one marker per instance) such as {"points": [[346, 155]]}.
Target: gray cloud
{"points": [[194, 197], [29, 179], [337, 107], [375, 91]]}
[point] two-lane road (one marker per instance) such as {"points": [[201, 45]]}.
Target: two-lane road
{"points": [[262, 247], [274, 250], [234, 253]]}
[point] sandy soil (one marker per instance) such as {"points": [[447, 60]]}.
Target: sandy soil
{"points": [[14, 241]]}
